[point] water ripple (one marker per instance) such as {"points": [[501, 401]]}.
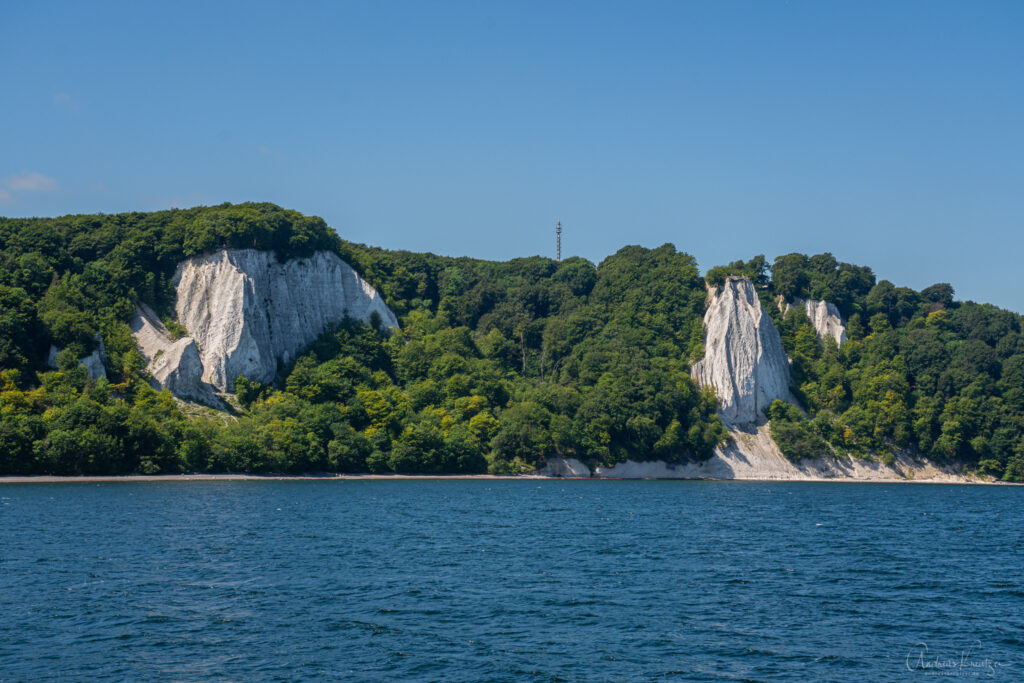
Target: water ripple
{"points": [[506, 580]]}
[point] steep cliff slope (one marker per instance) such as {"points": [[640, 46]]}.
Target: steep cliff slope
{"points": [[744, 360], [826, 320], [824, 316], [93, 363], [246, 311], [173, 363]]}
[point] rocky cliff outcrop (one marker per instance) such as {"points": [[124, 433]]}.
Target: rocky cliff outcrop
{"points": [[823, 315], [564, 467], [174, 364], [743, 360], [247, 311], [93, 363], [826, 320]]}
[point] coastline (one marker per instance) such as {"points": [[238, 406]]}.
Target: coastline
{"points": [[174, 478]]}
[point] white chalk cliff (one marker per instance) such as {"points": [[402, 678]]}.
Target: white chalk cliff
{"points": [[743, 360], [174, 364], [93, 363], [564, 467], [826, 320], [823, 315], [245, 313]]}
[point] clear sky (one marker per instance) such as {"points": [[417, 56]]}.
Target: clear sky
{"points": [[890, 133]]}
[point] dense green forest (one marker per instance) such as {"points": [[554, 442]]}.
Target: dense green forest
{"points": [[497, 365]]}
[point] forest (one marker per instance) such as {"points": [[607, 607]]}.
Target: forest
{"points": [[497, 366]]}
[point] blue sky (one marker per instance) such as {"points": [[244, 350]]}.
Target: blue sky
{"points": [[891, 133]]}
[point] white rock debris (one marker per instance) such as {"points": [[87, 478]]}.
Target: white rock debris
{"points": [[751, 454]]}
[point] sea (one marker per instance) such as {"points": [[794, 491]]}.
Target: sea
{"points": [[510, 580]]}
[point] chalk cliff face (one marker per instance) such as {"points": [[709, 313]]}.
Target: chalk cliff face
{"points": [[826, 320], [173, 363], [246, 311], [743, 360], [824, 316], [93, 363], [564, 467]]}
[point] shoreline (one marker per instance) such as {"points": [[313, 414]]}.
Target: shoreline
{"points": [[174, 478]]}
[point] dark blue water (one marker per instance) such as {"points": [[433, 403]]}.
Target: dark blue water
{"points": [[510, 580]]}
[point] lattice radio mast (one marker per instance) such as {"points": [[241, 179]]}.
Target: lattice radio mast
{"points": [[558, 241]]}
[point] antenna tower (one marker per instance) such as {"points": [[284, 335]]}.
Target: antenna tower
{"points": [[558, 241]]}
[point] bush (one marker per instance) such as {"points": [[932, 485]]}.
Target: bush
{"points": [[797, 437]]}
